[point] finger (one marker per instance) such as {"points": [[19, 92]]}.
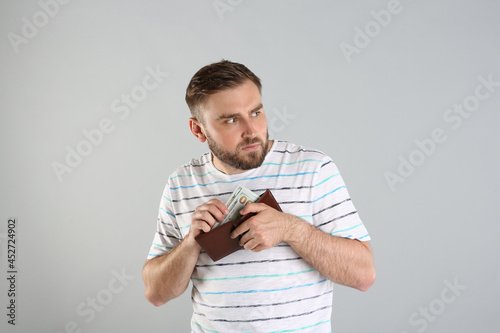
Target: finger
{"points": [[216, 212], [240, 230], [220, 205], [199, 225], [253, 208], [245, 238], [200, 218], [208, 217], [205, 226], [258, 248], [251, 245], [202, 225]]}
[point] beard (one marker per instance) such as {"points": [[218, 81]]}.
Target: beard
{"points": [[251, 160]]}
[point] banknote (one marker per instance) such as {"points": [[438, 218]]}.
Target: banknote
{"points": [[238, 199]]}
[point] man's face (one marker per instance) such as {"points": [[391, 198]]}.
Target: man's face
{"points": [[235, 127]]}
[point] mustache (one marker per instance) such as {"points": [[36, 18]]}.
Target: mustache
{"points": [[249, 142]]}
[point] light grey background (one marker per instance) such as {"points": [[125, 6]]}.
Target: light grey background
{"points": [[436, 228]]}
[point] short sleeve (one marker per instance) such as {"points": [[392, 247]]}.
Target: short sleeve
{"points": [[333, 209], [167, 234]]}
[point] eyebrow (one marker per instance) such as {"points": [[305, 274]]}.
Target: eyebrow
{"points": [[233, 115]]}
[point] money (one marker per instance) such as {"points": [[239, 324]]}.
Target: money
{"points": [[239, 199]]}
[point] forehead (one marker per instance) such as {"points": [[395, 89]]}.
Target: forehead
{"points": [[240, 99]]}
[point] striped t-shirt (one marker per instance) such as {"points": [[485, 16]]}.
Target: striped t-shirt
{"points": [[273, 290]]}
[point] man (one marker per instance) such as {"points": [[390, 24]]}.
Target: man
{"points": [[282, 280]]}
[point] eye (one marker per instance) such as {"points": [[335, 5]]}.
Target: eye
{"points": [[231, 121], [256, 113]]}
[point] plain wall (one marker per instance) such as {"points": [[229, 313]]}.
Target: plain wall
{"points": [[369, 89]]}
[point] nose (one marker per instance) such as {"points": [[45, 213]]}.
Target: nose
{"points": [[249, 129]]}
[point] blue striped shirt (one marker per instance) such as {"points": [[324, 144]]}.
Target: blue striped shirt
{"points": [[273, 290]]}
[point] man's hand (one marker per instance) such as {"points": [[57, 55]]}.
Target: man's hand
{"points": [[345, 261], [168, 276], [266, 229], [205, 216]]}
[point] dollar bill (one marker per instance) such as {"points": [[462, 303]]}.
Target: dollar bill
{"points": [[238, 199]]}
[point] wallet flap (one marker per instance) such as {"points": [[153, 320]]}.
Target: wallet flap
{"points": [[269, 200]]}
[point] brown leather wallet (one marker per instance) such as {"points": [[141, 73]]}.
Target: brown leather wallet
{"points": [[218, 243]]}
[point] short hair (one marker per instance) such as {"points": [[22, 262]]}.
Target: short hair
{"points": [[214, 78]]}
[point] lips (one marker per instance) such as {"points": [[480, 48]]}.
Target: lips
{"points": [[251, 147]]}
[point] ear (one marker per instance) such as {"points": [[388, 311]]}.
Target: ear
{"points": [[197, 129]]}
